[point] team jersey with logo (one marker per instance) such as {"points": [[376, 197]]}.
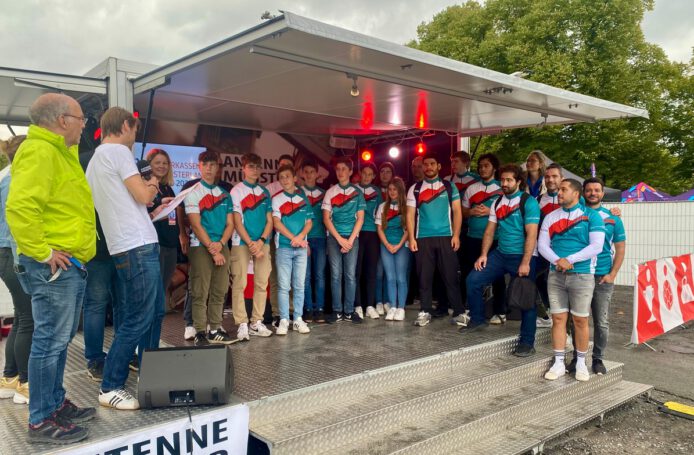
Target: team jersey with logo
{"points": [[393, 230], [343, 203], [480, 193], [372, 197], [569, 232], [549, 202], [213, 204], [253, 203], [434, 214], [614, 233], [314, 196], [464, 180], [293, 210], [510, 223]]}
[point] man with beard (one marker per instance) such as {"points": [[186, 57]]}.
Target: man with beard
{"points": [[515, 217]]}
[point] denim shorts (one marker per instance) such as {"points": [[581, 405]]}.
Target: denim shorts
{"points": [[570, 292]]}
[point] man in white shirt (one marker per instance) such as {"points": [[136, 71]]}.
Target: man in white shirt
{"points": [[121, 196]]}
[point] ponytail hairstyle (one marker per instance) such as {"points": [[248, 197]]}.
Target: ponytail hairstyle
{"points": [[399, 185], [10, 146]]}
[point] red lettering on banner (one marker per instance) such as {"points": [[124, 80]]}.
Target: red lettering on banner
{"points": [[664, 296]]}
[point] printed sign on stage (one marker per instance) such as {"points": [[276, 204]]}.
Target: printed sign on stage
{"points": [[663, 296], [223, 431]]}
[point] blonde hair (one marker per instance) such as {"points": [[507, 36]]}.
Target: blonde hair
{"points": [[168, 177], [542, 158], [10, 146]]}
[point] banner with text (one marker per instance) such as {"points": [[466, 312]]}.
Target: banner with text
{"points": [[663, 296], [223, 431]]}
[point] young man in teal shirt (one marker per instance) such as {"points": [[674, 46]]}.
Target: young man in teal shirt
{"points": [[315, 266], [369, 246]]}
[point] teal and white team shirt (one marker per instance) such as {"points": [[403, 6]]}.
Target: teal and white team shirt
{"points": [[549, 202], [253, 203], [293, 210], [510, 223], [315, 196], [274, 188], [434, 213], [568, 231], [463, 181], [213, 204], [393, 218], [614, 233], [372, 198], [343, 203], [480, 193]]}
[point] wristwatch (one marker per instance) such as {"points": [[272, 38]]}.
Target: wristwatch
{"points": [[263, 239]]}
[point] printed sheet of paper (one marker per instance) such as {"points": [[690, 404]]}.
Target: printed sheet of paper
{"points": [[175, 203]]}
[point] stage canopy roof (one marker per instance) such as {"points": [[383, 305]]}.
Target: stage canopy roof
{"points": [[292, 74]]}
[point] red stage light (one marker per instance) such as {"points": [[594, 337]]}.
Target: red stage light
{"points": [[366, 155], [97, 134], [136, 114], [420, 148], [422, 117]]}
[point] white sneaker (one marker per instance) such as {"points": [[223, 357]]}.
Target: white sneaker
{"points": [[300, 326], [242, 333], [582, 373], [450, 311], [391, 314], [380, 310], [423, 318], [558, 370], [189, 333], [386, 307], [282, 327], [498, 319], [258, 329], [119, 399], [543, 323], [359, 311], [399, 314], [372, 313]]}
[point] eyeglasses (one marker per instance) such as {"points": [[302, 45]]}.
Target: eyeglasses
{"points": [[81, 119]]}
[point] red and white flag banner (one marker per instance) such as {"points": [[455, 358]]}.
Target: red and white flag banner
{"points": [[663, 296]]}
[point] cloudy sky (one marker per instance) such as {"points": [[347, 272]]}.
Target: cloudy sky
{"points": [[72, 36]]}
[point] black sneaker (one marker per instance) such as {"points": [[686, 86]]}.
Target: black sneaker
{"points": [[318, 316], [354, 317], [219, 336], [201, 339], [276, 321], [70, 411], [96, 372], [473, 327], [338, 317], [55, 430], [308, 316], [571, 367], [599, 367], [134, 364], [524, 350]]}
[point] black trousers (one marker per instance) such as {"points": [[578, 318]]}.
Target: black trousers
{"points": [[367, 263], [471, 252], [436, 255]]}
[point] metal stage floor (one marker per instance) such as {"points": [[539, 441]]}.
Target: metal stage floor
{"points": [[263, 367]]}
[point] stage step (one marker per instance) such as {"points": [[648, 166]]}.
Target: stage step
{"points": [[429, 405]]}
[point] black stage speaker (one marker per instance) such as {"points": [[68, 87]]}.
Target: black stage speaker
{"points": [[185, 376]]}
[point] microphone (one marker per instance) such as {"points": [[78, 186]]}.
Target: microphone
{"points": [[145, 169]]}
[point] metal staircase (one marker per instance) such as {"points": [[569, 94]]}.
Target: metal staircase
{"points": [[475, 400]]}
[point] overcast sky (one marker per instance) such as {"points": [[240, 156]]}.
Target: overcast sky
{"points": [[72, 36]]}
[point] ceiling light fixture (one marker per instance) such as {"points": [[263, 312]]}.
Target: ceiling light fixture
{"points": [[355, 89]]}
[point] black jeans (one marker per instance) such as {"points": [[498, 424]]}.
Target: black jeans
{"points": [[436, 253], [19, 341], [367, 262], [471, 252]]}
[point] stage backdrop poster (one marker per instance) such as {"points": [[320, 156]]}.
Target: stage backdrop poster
{"points": [[663, 296]]}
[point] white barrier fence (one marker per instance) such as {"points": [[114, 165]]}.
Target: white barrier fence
{"points": [[655, 230]]}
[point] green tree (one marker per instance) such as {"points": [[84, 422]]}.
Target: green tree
{"points": [[593, 47]]}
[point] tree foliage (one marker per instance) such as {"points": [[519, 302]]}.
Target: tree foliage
{"points": [[593, 47]]}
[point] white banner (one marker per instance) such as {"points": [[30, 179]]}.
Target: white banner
{"points": [[223, 431]]}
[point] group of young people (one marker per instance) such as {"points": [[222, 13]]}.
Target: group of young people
{"points": [[465, 232]]}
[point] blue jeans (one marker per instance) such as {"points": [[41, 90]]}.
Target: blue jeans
{"points": [[139, 282], [56, 307], [291, 275], [396, 267], [100, 290], [381, 290], [315, 271], [498, 265], [343, 265]]}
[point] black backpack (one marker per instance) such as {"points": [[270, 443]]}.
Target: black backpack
{"points": [[524, 197]]}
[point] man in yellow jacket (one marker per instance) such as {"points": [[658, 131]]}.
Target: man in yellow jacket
{"points": [[51, 216]]}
